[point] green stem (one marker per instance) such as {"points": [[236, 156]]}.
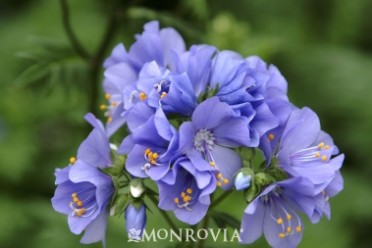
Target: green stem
{"points": [[70, 33], [163, 213], [203, 226], [220, 199]]}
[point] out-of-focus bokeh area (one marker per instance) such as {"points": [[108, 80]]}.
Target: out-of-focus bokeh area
{"points": [[322, 47]]}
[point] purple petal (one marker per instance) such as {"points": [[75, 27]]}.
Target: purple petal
{"points": [[95, 149], [192, 217], [228, 162], [186, 133], [96, 231], [136, 161], [301, 131], [233, 133], [252, 222], [211, 113]]}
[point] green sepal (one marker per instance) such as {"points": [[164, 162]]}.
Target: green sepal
{"points": [[247, 153], [120, 202]]}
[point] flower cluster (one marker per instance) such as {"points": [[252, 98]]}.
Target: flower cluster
{"points": [[194, 119]]}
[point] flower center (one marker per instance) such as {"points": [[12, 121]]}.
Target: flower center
{"points": [[82, 208], [162, 88], [204, 140], [320, 152], [151, 158], [284, 216]]}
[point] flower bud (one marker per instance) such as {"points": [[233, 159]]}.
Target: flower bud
{"points": [[135, 221], [136, 188], [242, 180]]}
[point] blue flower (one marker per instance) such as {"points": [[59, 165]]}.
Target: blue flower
{"points": [[197, 63], [171, 91], [208, 138], [322, 206], [83, 192], [275, 213], [304, 150], [135, 221], [186, 191], [151, 147], [250, 87], [122, 70]]}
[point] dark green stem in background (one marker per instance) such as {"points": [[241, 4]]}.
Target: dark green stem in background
{"points": [[95, 61], [70, 34], [163, 213], [220, 199], [204, 225]]}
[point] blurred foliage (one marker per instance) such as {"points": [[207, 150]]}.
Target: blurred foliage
{"points": [[322, 47]]}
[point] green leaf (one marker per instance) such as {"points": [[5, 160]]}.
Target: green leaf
{"points": [[49, 64]]}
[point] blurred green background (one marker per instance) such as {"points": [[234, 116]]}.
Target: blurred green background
{"points": [[322, 47]]}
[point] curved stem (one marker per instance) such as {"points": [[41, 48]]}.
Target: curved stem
{"points": [[70, 34], [220, 199], [97, 60], [163, 213], [203, 226]]}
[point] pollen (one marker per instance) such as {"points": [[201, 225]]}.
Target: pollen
{"points": [[321, 145], [109, 119], [80, 212], [298, 229], [326, 147], [79, 203], [102, 107], [281, 235], [75, 199], [219, 184], [317, 155], [74, 195], [289, 229], [176, 200], [219, 175], [225, 181], [324, 158], [212, 163], [271, 137], [114, 104], [189, 191], [289, 217], [151, 156], [72, 160], [279, 221], [142, 96], [187, 198], [183, 194], [163, 94], [107, 96]]}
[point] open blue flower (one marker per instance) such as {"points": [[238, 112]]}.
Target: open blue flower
{"points": [[151, 147], [306, 151], [122, 70], [208, 138], [170, 91], [275, 213], [83, 192], [186, 191]]}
